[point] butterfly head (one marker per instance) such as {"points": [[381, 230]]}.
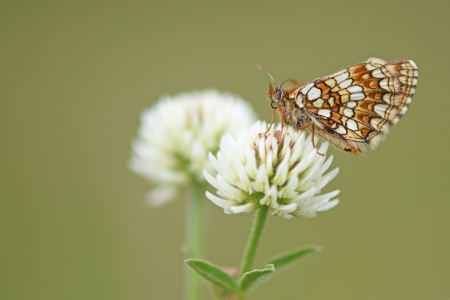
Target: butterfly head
{"points": [[275, 95]]}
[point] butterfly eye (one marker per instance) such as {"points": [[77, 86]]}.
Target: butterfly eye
{"points": [[278, 94]]}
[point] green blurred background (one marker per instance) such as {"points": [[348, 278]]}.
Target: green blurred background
{"points": [[75, 77]]}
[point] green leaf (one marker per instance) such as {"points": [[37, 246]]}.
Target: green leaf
{"points": [[213, 274], [251, 277], [286, 259]]}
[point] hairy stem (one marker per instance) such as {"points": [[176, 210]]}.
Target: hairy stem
{"points": [[254, 238]]}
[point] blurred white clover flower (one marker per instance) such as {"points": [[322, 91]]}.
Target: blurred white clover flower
{"points": [[280, 170], [175, 136]]}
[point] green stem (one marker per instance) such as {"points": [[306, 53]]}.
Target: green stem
{"points": [[195, 236], [254, 238], [198, 218]]}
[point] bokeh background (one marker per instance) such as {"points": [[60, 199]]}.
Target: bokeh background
{"points": [[75, 77]]}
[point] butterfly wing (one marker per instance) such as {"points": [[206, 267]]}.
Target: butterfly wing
{"points": [[354, 108]]}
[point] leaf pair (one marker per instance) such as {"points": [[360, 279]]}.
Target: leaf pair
{"points": [[222, 279]]}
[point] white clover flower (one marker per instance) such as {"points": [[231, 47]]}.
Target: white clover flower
{"points": [[175, 137], [283, 172]]}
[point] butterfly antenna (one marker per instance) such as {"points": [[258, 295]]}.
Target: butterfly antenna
{"points": [[264, 69]]}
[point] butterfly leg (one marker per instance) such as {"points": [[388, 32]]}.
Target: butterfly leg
{"points": [[283, 119], [312, 135], [271, 122]]}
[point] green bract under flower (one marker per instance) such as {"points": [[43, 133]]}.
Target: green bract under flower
{"points": [[176, 135], [278, 169]]}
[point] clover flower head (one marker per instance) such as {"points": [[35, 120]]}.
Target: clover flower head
{"points": [[280, 169], [176, 135]]}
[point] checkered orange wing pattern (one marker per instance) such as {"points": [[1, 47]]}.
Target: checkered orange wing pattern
{"points": [[356, 107]]}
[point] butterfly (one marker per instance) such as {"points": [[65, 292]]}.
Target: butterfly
{"points": [[354, 108]]}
